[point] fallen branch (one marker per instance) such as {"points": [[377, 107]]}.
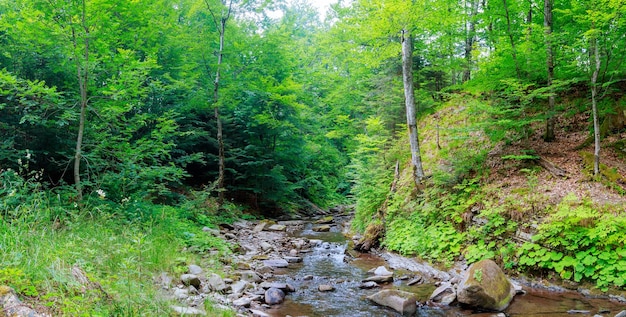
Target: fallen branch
{"points": [[551, 167]]}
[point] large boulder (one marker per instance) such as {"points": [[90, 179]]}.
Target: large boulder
{"points": [[484, 285], [274, 296], [403, 302]]}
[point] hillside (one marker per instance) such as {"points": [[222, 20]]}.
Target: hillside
{"points": [[532, 206]]}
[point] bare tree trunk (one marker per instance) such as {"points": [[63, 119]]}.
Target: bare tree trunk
{"points": [[513, 50], [82, 74], [221, 27], [409, 95], [469, 40], [547, 24], [594, 106]]}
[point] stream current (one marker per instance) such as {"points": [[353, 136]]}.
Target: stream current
{"points": [[328, 264]]}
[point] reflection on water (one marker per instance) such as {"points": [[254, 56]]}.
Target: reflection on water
{"points": [[327, 263]]}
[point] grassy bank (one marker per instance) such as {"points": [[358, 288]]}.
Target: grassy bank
{"points": [[121, 249]]}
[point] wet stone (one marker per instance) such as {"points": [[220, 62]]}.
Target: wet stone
{"points": [[325, 288], [368, 285], [293, 259], [276, 263], [274, 296]]}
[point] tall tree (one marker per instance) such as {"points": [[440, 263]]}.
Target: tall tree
{"points": [[220, 24], [409, 95], [547, 24]]}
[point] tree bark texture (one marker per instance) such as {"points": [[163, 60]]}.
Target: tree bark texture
{"points": [[469, 40], [594, 106], [82, 74], [547, 24], [220, 24], [407, 77]]}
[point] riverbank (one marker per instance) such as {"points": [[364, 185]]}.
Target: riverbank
{"points": [[273, 273]]}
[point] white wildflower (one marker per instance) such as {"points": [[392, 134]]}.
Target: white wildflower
{"points": [[101, 193], [125, 200], [28, 155]]}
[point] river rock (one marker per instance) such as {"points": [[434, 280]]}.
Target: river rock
{"points": [[250, 276], [190, 279], [381, 270], [181, 293], [403, 302], [277, 228], [216, 283], [324, 220], [280, 263], [10, 305], [274, 296], [621, 314], [293, 259], [293, 252], [368, 285], [285, 287], [325, 288], [259, 227], [188, 311], [266, 246], [258, 313], [484, 285], [243, 301], [194, 269], [444, 295], [322, 228], [230, 236], [239, 286], [211, 231], [415, 280], [379, 279]]}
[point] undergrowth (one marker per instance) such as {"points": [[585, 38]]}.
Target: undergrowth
{"points": [[121, 248]]}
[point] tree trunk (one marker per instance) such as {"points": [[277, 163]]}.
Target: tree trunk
{"points": [[82, 74], [594, 106], [469, 40], [547, 24], [407, 77], [220, 135], [511, 39], [221, 27]]}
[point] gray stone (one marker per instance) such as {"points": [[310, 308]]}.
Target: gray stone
{"points": [[403, 302], [188, 311], [243, 302], [324, 220], [379, 279], [368, 285], [621, 314], [211, 231], [484, 285], [194, 269], [277, 228], [259, 227], [445, 294], [181, 293], [293, 259], [325, 288], [307, 278], [276, 263], [250, 276], [381, 270], [190, 279], [216, 283], [258, 313], [239, 286], [230, 236], [274, 296], [322, 228], [293, 252], [266, 269], [415, 280], [266, 246]]}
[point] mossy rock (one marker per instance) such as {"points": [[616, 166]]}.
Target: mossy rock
{"points": [[485, 286]]}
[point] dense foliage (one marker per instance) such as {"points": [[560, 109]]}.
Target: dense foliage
{"points": [[108, 111]]}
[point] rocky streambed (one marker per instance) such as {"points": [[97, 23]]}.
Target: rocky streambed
{"points": [[306, 268]]}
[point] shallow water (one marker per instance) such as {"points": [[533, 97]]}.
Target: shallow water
{"points": [[328, 264]]}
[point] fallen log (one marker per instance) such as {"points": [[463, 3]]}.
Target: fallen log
{"points": [[551, 167]]}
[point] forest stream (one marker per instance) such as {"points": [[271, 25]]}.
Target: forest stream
{"points": [[330, 263]]}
